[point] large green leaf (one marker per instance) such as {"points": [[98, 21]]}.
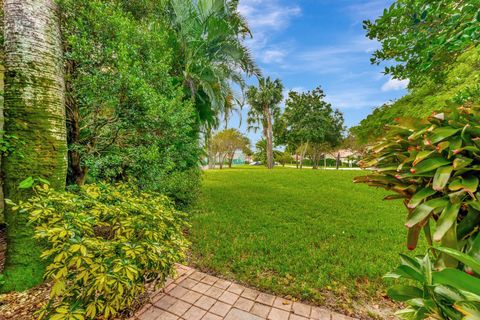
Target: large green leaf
{"points": [[404, 293], [469, 184], [461, 162], [442, 175], [457, 279], [447, 220], [422, 211], [422, 155], [462, 257], [430, 165], [420, 196], [440, 134]]}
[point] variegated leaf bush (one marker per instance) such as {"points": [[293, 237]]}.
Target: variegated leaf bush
{"points": [[433, 165], [103, 244]]}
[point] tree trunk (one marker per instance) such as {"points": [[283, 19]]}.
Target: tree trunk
{"points": [[269, 139], [2, 122], [338, 160], [230, 159], [35, 114]]}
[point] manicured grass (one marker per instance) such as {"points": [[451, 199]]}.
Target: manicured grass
{"points": [[310, 234]]}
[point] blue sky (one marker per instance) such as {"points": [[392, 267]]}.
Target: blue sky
{"points": [[310, 43]]}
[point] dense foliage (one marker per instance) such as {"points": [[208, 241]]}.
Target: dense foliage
{"points": [[424, 37], [128, 118], [424, 98], [103, 244], [309, 125], [211, 53], [433, 166]]}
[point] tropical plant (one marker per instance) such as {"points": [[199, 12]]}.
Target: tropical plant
{"points": [[103, 244], [449, 294], [211, 53], [424, 37], [264, 103], [432, 165]]}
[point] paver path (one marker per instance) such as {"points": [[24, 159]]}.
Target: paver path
{"points": [[194, 295]]}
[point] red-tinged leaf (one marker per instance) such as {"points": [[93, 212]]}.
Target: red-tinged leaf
{"points": [[420, 196], [422, 155], [422, 211], [430, 165], [412, 237], [441, 178], [447, 220]]}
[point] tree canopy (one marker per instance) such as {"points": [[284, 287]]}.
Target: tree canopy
{"points": [[308, 118], [424, 37]]}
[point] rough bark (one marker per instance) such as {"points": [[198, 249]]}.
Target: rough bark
{"points": [[35, 114], [2, 122]]}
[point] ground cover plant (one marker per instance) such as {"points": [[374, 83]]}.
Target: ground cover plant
{"points": [[103, 244], [310, 234]]}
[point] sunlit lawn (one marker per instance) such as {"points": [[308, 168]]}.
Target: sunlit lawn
{"points": [[310, 234]]}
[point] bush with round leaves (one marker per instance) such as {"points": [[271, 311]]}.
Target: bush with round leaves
{"points": [[433, 165], [104, 244]]}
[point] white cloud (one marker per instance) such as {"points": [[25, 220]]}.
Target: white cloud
{"points": [[266, 17], [395, 85], [273, 55], [267, 14]]}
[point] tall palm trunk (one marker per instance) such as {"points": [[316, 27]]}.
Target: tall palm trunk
{"points": [[35, 114], [269, 137]]}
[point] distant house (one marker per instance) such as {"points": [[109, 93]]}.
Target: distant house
{"points": [[348, 156]]}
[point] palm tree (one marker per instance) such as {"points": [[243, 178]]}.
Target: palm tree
{"points": [[210, 35], [34, 114], [264, 104]]}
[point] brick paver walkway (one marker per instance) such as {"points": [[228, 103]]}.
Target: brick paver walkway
{"points": [[194, 295]]}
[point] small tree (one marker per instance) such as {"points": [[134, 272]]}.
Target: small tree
{"points": [[264, 106], [226, 143], [283, 157], [309, 124]]}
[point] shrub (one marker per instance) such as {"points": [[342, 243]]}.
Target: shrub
{"points": [[104, 244], [433, 165]]}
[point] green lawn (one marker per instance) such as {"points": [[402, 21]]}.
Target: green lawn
{"points": [[309, 234]]}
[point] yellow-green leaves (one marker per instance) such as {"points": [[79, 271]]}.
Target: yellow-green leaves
{"points": [[104, 243]]}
